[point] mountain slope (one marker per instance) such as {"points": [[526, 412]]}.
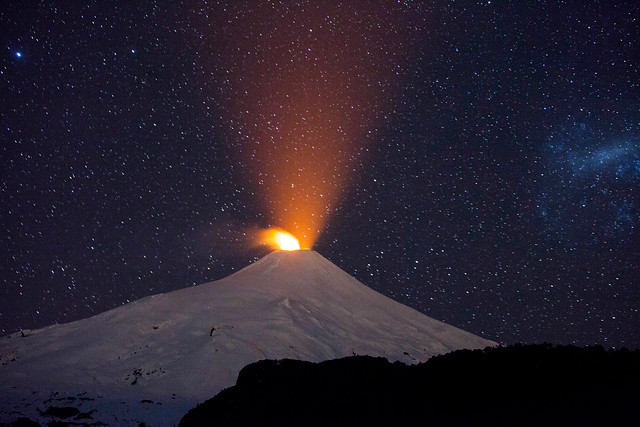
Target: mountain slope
{"points": [[180, 348]]}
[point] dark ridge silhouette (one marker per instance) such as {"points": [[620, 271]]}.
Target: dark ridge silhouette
{"points": [[516, 385]]}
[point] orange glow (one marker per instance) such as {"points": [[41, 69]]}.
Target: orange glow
{"points": [[279, 239], [308, 91]]}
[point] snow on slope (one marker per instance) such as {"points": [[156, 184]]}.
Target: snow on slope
{"points": [[163, 354]]}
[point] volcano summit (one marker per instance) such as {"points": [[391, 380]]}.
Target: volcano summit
{"points": [[153, 359]]}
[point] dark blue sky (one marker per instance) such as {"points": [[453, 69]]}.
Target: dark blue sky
{"points": [[500, 192]]}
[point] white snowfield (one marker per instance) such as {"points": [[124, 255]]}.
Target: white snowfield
{"points": [[155, 358]]}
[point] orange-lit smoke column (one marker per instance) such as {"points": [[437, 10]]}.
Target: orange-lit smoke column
{"points": [[308, 86]]}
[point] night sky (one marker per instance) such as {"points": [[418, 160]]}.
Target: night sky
{"points": [[479, 162]]}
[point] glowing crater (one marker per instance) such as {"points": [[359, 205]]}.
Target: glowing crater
{"points": [[279, 239]]}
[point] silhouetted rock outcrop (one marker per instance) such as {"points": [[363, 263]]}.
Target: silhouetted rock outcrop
{"points": [[516, 385]]}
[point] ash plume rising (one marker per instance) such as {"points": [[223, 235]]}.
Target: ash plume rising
{"points": [[306, 91]]}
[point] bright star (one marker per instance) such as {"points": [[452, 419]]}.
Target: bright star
{"points": [[19, 54]]}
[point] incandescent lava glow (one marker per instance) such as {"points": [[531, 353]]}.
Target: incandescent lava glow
{"points": [[279, 239], [306, 90]]}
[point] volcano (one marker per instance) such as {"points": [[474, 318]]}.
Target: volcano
{"points": [[153, 359]]}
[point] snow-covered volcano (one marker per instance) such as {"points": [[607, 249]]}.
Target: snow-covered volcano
{"points": [[153, 359]]}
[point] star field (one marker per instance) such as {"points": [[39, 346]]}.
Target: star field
{"points": [[485, 168]]}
